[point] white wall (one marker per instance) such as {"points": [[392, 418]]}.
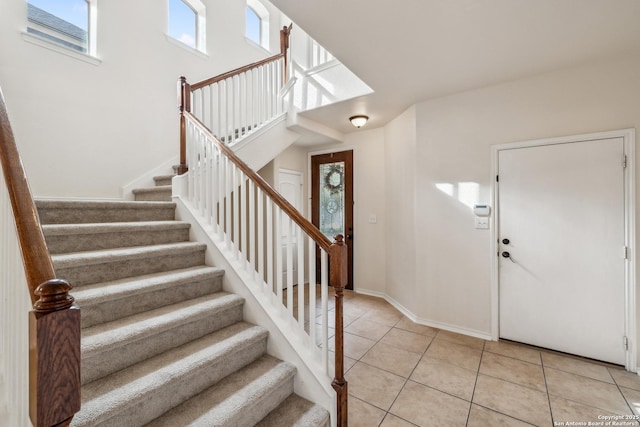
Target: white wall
{"points": [[400, 194], [447, 275], [85, 130]]}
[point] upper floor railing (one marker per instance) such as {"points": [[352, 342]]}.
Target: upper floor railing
{"points": [[53, 351], [237, 102]]}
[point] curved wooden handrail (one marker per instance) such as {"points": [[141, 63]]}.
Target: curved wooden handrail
{"points": [[235, 72], [54, 324], [37, 261], [306, 226]]}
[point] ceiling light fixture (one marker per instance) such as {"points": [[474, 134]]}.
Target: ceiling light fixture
{"points": [[359, 121]]}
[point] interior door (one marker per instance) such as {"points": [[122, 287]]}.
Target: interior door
{"points": [[290, 186], [332, 199], [561, 247]]}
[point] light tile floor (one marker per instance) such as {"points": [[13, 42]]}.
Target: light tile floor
{"points": [[404, 374]]}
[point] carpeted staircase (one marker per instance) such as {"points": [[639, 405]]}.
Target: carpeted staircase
{"points": [[162, 343]]}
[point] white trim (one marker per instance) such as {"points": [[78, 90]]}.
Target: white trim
{"points": [[92, 31], [628, 136], [56, 47], [322, 67], [176, 42], [425, 322]]}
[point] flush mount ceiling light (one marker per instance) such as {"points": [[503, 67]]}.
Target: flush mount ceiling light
{"points": [[359, 121]]}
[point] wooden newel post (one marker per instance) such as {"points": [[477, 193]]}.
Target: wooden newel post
{"points": [[284, 47], [338, 277], [184, 104], [54, 356]]}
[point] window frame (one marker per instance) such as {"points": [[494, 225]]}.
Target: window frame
{"points": [[263, 15], [90, 48], [200, 12]]}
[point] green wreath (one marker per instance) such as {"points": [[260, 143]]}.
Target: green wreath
{"points": [[334, 179]]}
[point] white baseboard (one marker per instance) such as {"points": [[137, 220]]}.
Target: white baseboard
{"points": [[426, 322]]}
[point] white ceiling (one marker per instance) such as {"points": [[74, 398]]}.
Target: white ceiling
{"points": [[412, 50]]}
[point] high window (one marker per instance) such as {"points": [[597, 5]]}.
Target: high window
{"points": [[257, 23], [187, 22], [69, 23]]}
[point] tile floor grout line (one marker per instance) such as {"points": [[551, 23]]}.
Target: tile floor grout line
{"points": [[546, 386], [475, 384]]}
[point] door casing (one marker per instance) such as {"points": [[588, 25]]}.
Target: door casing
{"points": [[354, 151], [628, 136]]}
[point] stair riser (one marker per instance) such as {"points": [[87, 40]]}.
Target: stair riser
{"points": [[185, 387], [155, 196], [163, 181], [121, 357], [95, 273], [89, 242], [268, 403], [108, 311], [90, 215]]}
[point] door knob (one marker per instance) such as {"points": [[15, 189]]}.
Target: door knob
{"points": [[505, 241], [506, 254]]}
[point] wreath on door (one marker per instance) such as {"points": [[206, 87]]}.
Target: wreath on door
{"points": [[334, 179]]}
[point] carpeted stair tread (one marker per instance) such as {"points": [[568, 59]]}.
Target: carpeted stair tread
{"points": [[107, 301], [64, 238], [142, 392], [75, 259], [163, 179], [296, 411], [73, 211], [85, 268], [133, 328], [241, 399], [157, 193]]}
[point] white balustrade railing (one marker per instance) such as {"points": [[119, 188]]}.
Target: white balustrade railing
{"points": [[318, 55], [15, 304], [245, 220], [233, 106]]}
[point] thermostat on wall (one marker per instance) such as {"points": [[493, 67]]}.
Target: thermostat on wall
{"points": [[481, 210]]}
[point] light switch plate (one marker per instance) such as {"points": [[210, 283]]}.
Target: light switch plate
{"points": [[482, 222]]}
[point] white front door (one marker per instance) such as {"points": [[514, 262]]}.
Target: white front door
{"points": [[561, 247], [290, 186]]}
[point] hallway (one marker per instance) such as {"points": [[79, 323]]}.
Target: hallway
{"points": [[404, 374]]}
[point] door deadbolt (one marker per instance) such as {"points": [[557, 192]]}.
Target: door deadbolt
{"points": [[506, 241]]}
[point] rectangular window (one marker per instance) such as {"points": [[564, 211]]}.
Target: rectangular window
{"points": [[65, 22]]}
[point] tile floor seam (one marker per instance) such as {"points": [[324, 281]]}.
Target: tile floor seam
{"points": [[501, 413], [405, 382], [475, 384], [623, 396], [546, 387]]}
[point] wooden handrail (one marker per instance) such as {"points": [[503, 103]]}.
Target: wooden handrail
{"points": [[235, 72], [338, 259], [37, 262], [277, 198], [284, 46], [54, 325]]}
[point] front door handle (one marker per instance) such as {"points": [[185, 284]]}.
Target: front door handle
{"points": [[506, 254], [349, 236]]}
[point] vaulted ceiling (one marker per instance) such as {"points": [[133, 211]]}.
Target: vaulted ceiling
{"points": [[412, 50]]}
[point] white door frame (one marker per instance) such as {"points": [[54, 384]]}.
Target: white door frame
{"points": [[629, 137]]}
